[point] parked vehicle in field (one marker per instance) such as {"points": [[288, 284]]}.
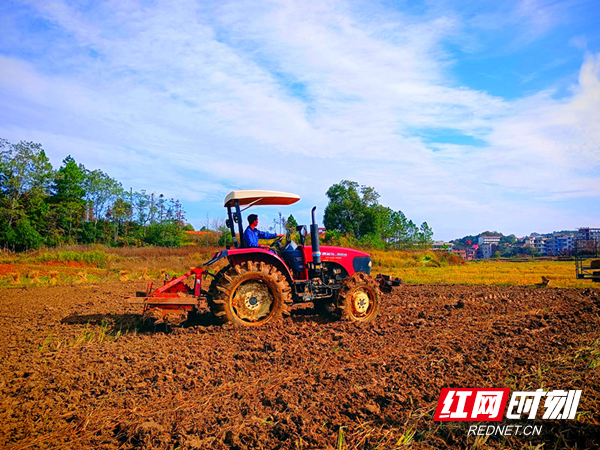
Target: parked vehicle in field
{"points": [[260, 285], [587, 254]]}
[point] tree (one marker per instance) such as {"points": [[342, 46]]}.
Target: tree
{"points": [[347, 211], [26, 237], [510, 239], [25, 178], [69, 181], [40, 205], [397, 232], [121, 211], [291, 223], [166, 234], [225, 238], [100, 193], [466, 241], [355, 210], [217, 224], [425, 234], [67, 201]]}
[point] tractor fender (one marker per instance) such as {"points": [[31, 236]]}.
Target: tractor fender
{"points": [[241, 255]]}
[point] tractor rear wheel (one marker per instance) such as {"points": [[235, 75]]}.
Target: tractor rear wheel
{"points": [[250, 294], [358, 300]]}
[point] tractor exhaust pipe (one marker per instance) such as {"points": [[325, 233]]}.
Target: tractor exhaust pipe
{"points": [[314, 240]]}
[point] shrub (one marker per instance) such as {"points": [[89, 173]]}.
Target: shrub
{"points": [[225, 239], [26, 237], [166, 234]]}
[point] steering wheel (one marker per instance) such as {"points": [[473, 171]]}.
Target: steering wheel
{"points": [[276, 243]]}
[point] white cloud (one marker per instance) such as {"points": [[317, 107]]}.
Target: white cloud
{"points": [[546, 143]]}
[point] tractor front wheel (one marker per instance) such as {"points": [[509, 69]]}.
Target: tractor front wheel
{"points": [[250, 294], [358, 300]]}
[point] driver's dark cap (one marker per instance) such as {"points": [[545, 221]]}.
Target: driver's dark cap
{"points": [[252, 218]]}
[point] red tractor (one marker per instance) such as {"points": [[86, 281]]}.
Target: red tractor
{"points": [[260, 285]]}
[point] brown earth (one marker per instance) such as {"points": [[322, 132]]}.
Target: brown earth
{"points": [[79, 370]]}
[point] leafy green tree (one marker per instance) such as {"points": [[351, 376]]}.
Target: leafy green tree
{"points": [[355, 210], [26, 237], [100, 192], [119, 213], [68, 203], [161, 208], [348, 209], [225, 238], [25, 178], [38, 204], [466, 241], [7, 235], [344, 211], [69, 181], [291, 223], [510, 239], [141, 204], [166, 234], [398, 229], [425, 235]]}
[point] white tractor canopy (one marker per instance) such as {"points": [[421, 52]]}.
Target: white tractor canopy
{"points": [[257, 197]]}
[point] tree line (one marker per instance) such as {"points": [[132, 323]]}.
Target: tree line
{"points": [[43, 206], [355, 215], [40, 205]]}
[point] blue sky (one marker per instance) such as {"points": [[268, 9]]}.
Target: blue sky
{"points": [[472, 116]]}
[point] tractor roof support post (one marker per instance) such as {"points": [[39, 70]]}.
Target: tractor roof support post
{"points": [[240, 224], [232, 227]]}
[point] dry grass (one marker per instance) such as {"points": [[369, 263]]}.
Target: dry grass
{"points": [[427, 267], [67, 264], [560, 274]]}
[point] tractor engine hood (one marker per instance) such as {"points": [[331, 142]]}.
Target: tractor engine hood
{"points": [[348, 258]]}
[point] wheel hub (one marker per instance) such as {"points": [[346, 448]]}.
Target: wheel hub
{"points": [[361, 302], [252, 301]]}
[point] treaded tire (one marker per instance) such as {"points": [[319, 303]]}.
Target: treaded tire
{"points": [[358, 300], [235, 290]]}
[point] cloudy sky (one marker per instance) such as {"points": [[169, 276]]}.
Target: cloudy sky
{"points": [[472, 116]]}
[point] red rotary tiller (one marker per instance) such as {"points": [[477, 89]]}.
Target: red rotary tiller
{"points": [[172, 302]]}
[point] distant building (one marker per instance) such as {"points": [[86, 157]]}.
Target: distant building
{"points": [[468, 254], [539, 243], [587, 240], [489, 240], [441, 245], [589, 234], [486, 251], [559, 244]]}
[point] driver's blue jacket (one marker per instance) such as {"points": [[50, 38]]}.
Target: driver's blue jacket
{"points": [[251, 236]]}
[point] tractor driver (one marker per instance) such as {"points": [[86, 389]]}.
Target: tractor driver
{"points": [[253, 234]]}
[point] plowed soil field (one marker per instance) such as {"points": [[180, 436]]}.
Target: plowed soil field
{"points": [[79, 370]]}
